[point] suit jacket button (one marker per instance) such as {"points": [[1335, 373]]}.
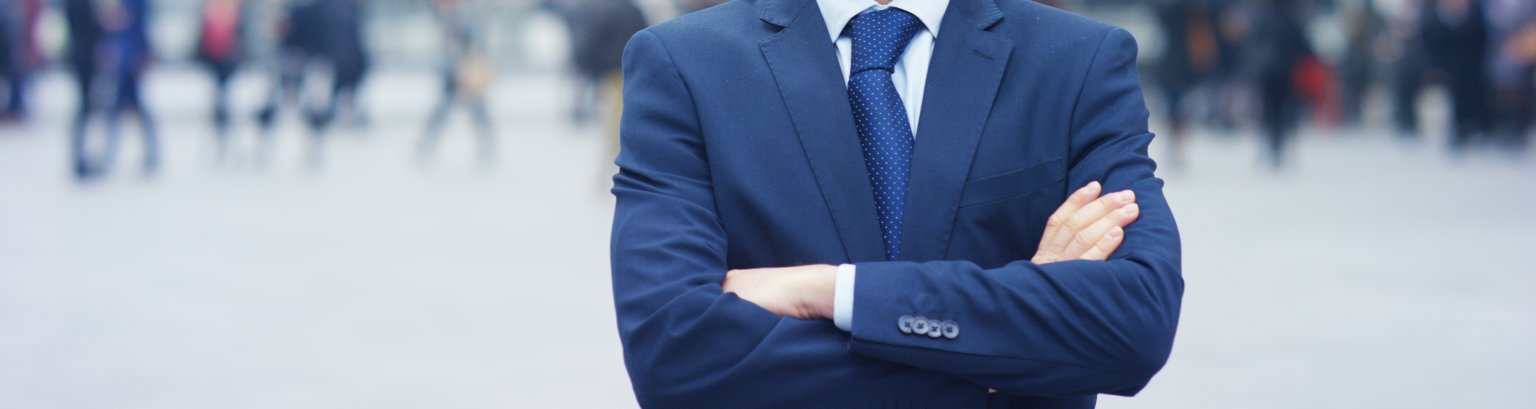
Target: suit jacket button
{"points": [[935, 329], [950, 329], [904, 324], [920, 325]]}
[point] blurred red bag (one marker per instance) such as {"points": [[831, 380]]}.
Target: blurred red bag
{"points": [[1314, 82], [220, 33]]}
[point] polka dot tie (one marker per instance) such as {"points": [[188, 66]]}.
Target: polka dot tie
{"points": [[879, 37]]}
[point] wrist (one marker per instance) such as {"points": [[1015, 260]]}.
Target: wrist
{"points": [[817, 291]]}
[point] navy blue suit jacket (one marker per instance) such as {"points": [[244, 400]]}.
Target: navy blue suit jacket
{"points": [[739, 151]]}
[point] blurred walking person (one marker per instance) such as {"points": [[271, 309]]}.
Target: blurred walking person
{"points": [[86, 36], [1276, 46], [130, 22], [10, 56], [220, 46], [467, 75], [1363, 26], [599, 30], [1456, 39], [296, 48], [1228, 84], [1409, 64], [1189, 55], [340, 40], [21, 52], [1514, 67]]}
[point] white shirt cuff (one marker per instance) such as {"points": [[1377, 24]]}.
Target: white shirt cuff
{"points": [[842, 298]]}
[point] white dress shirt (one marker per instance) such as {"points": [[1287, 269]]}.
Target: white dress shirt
{"points": [[910, 76]]}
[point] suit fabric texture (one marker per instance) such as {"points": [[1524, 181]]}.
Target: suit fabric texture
{"points": [[739, 150]]}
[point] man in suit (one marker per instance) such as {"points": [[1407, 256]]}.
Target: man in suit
{"points": [[852, 203]]}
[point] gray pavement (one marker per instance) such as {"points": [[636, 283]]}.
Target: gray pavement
{"points": [[1373, 273]]}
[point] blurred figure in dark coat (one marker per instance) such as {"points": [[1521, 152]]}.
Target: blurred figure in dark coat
{"points": [[1363, 25], [10, 64], [599, 30], [1514, 66], [220, 47], [1189, 55], [1228, 86], [296, 48], [1276, 45], [86, 35], [1456, 39], [467, 75], [20, 55], [341, 41], [1409, 65], [130, 22]]}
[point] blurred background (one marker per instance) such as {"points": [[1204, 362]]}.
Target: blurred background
{"points": [[403, 203]]}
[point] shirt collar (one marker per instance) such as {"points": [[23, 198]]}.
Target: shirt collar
{"points": [[838, 13]]}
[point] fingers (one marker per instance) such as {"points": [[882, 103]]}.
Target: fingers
{"points": [[1096, 210], [1047, 252], [1106, 245], [1090, 214], [1082, 197], [1088, 238]]}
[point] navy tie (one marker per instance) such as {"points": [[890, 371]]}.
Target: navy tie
{"points": [[879, 37]]}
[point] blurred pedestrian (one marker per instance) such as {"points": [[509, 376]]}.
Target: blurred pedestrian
{"points": [[86, 37], [1227, 82], [599, 30], [220, 47], [1189, 55], [1456, 40], [467, 74], [1514, 66], [296, 37], [341, 42], [1277, 46], [132, 53], [1363, 26], [604, 28], [1409, 64], [10, 64], [21, 55]]}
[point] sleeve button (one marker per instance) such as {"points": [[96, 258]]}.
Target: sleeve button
{"points": [[950, 329], [920, 325]]}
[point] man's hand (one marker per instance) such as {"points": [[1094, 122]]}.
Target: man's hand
{"points": [[804, 292], [1087, 226]]}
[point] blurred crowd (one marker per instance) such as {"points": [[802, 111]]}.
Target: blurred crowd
{"points": [[1222, 64], [1255, 61], [304, 45], [109, 50]]}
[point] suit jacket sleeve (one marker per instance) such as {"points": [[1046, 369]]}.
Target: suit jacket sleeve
{"points": [[1059, 329], [686, 343]]}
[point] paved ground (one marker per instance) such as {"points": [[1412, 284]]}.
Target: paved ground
{"points": [[1373, 273]]}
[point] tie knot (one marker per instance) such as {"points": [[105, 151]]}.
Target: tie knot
{"points": [[880, 36]]}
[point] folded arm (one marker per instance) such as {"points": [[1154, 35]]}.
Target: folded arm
{"points": [[1041, 327], [687, 343], [1057, 329]]}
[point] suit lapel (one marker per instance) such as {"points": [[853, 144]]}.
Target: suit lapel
{"points": [[963, 78], [804, 64]]}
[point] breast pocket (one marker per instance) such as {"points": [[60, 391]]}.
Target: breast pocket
{"points": [[1013, 184]]}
